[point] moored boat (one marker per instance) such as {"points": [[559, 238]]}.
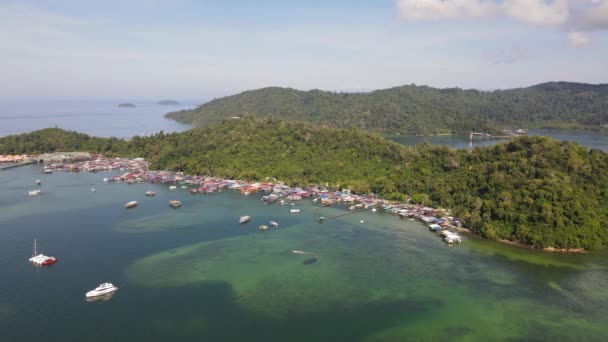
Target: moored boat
{"points": [[131, 204], [150, 193], [175, 203], [294, 210], [100, 298], [274, 224], [263, 227], [102, 290], [270, 198], [41, 259], [244, 219], [450, 237]]}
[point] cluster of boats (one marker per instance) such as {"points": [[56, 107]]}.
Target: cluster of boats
{"points": [[263, 227], [273, 224], [172, 203], [103, 291]]}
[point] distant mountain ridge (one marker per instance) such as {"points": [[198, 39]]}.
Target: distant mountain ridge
{"points": [[413, 109]]}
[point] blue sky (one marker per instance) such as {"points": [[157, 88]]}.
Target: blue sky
{"points": [[203, 49]]}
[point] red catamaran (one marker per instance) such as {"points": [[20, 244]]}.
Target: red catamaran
{"points": [[41, 259]]}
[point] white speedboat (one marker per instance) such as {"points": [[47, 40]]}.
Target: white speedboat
{"points": [[150, 193], [244, 219], [93, 189], [102, 290], [294, 210], [34, 192], [131, 204], [274, 224], [172, 187]]}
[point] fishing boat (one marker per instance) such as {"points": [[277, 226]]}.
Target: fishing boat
{"points": [[263, 227], [131, 204], [175, 203], [41, 259], [102, 290], [270, 198], [274, 224], [150, 193], [244, 219], [294, 210]]}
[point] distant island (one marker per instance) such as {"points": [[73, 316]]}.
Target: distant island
{"points": [[127, 105], [535, 191], [419, 110], [168, 103]]}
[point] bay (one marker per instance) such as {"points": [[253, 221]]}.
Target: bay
{"points": [[95, 117], [195, 273], [591, 139]]}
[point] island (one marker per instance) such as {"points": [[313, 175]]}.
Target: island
{"points": [[419, 110], [168, 103], [534, 191], [126, 105]]}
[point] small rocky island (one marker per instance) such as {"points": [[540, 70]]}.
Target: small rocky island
{"points": [[168, 103], [126, 105]]}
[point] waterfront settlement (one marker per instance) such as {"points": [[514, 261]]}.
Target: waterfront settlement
{"points": [[137, 171]]}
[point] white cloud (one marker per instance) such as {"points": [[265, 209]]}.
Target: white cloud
{"points": [[575, 16], [594, 17], [439, 9], [578, 39], [538, 12]]}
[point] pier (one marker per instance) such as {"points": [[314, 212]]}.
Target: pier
{"points": [[11, 166]]}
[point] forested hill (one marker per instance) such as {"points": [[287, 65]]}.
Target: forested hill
{"points": [[533, 190], [419, 109]]}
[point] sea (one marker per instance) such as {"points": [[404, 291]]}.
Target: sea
{"points": [[102, 118], [195, 274]]}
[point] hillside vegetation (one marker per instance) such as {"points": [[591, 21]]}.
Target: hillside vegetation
{"points": [[419, 109], [533, 190]]}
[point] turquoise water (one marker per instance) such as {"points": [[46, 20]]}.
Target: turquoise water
{"points": [[196, 274]]}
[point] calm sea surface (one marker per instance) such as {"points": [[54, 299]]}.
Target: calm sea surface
{"points": [[195, 274], [98, 118], [590, 139]]}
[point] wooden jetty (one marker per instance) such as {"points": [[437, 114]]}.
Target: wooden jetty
{"points": [[11, 166]]}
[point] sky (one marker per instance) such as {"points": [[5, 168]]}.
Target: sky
{"points": [[188, 49]]}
